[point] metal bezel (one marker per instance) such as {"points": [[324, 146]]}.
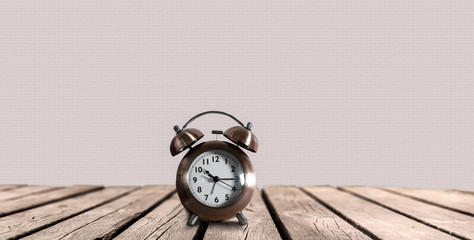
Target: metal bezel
{"points": [[204, 212]]}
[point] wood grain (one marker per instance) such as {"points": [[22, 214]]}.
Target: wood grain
{"points": [[379, 221], [456, 200], [155, 212], [10, 187], [304, 218], [24, 223], [167, 221], [259, 226], [25, 191], [32, 201], [109, 220], [449, 221]]}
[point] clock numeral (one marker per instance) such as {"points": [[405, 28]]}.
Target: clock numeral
{"points": [[233, 168], [195, 179], [234, 189], [237, 178], [227, 197], [205, 161], [216, 200], [206, 195], [225, 160], [199, 189], [215, 158], [198, 169]]}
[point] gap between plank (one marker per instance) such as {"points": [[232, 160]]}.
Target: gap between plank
{"points": [[428, 202], [53, 201], [73, 215], [11, 187], [402, 213], [201, 231], [463, 191], [138, 216], [284, 234], [32, 193], [348, 220]]}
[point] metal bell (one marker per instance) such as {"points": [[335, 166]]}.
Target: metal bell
{"points": [[184, 139], [243, 137]]}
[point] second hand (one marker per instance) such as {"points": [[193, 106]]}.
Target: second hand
{"points": [[213, 186]]}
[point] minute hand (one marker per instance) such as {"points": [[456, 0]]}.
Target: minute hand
{"points": [[226, 184]]}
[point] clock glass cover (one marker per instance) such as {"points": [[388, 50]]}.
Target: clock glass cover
{"points": [[216, 178]]}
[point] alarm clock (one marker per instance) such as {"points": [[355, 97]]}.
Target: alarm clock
{"points": [[215, 179]]}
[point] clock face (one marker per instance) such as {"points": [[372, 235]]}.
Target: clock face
{"points": [[216, 178]]}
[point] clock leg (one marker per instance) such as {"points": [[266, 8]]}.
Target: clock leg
{"points": [[242, 220], [193, 220]]}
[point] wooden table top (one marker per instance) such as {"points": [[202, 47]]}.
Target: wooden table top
{"points": [[155, 212]]}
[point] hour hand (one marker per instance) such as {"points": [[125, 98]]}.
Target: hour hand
{"points": [[208, 173], [214, 178]]}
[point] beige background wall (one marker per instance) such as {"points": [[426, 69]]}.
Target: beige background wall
{"points": [[340, 92]]}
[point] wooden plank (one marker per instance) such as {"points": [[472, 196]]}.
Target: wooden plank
{"points": [[24, 223], [107, 221], [462, 202], [24, 191], [259, 224], [167, 221], [10, 187], [456, 224], [300, 217], [32, 201], [379, 221], [67, 227]]}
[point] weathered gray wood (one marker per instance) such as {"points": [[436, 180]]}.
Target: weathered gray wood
{"points": [[107, 221], [148, 213], [24, 191], [65, 228], [260, 224], [31, 201], [301, 217], [375, 219], [452, 199], [23, 223], [167, 221], [10, 187], [451, 222]]}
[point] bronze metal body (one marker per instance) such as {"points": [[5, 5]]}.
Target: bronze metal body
{"points": [[209, 213], [185, 138]]}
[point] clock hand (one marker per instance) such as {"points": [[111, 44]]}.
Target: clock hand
{"points": [[226, 184], [213, 186], [208, 173], [215, 178]]}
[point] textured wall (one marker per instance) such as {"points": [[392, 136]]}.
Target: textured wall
{"points": [[341, 92]]}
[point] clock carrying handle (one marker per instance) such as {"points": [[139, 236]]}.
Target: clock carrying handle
{"points": [[241, 135], [177, 129]]}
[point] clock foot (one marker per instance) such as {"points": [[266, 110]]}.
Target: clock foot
{"points": [[242, 220], [193, 220]]}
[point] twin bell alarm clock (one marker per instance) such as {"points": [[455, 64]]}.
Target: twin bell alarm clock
{"points": [[215, 179]]}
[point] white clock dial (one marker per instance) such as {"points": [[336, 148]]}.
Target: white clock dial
{"points": [[216, 178]]}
